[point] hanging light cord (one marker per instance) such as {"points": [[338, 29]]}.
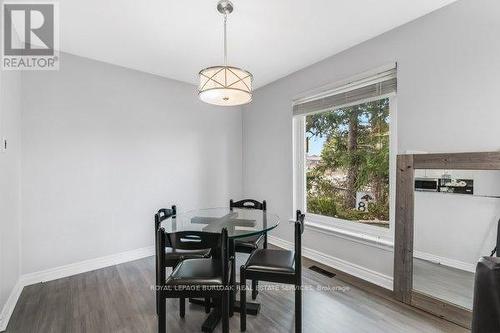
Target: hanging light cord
{"points": [[225, 39]]}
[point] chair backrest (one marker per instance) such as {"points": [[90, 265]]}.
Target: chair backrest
{"points": [[252, 204], [299, 230], [193, 240], [248, 203], [163, 214], [299, 218]]}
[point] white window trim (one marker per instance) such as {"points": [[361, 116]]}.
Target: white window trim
{"points": [[358, 237], [330, 224]]}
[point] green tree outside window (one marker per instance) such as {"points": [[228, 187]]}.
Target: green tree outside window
{"points": [[354, 158]]}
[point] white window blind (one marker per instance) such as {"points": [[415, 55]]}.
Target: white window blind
{"points": [[355, 92]]}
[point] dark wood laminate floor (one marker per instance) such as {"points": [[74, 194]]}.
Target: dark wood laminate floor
{"points": [[120, 299]]}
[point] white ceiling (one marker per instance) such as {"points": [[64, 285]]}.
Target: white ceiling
{"points": [[270, 38]]}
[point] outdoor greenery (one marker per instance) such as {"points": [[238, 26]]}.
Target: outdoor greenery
{"points": [[354, 158]]}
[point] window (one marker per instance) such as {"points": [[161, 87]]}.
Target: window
{"points": [[344, 157]]}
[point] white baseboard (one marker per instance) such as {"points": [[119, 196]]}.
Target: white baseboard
{"points": [[86, 266], [9, 306], [65, 271], [340, 264], [464, 266]]}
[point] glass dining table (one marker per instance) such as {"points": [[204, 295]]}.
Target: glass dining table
{"points": [[240, 223]]}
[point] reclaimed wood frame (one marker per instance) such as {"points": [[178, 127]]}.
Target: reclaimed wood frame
{"points": [[403, 242]]}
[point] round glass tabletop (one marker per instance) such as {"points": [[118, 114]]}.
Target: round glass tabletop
{"points": [[239, 222]]}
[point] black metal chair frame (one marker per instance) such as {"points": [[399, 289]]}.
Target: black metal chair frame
{"points": [[278, 277], [194, 240], [160, 216], [250, 204]]}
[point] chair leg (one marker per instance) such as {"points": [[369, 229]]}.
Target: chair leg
{"points": [[225, 312], [232, 293], [162, 313], [157, 297], [157, 303], [243, 300], [207, 305], [255, 287], [182, 307], [298, 309]]}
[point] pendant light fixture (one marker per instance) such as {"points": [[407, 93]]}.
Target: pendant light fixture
{"points": [[225, 85]]}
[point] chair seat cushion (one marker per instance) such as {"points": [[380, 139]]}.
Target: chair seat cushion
{"points": [[177, 254], [198, 272], [248, 244], [265, 260]]}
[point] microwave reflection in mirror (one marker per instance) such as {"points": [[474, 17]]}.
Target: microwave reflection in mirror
{"points": [[455, 223]]}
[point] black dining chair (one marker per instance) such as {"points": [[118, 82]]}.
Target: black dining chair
{"points": [[252, 243], [280, 266], [173, 255], [202, 277]]}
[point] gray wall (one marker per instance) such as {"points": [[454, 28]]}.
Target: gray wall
{"points": [[448, 70], [104, 147], [10, 114]]}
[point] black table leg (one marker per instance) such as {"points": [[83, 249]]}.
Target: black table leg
{"points": [[215, 316], [200, 302], [232, 280], [211, 322], [252, 308]]}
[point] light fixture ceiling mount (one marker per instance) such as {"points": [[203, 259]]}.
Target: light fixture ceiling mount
{"points": [[225, 85], [225, 7]]}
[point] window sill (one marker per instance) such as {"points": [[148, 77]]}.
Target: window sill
{"points": [[358, 237]]}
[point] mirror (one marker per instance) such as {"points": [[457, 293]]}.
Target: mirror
{"points": [[456, 214]]}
